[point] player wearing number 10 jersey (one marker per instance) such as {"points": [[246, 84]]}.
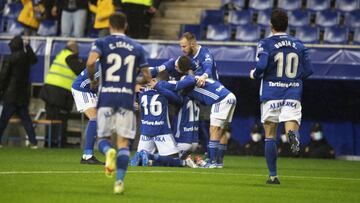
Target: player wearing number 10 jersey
{"points": [[120, 57], [283, 63]]}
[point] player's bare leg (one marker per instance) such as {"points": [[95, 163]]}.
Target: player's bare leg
{"points": [[292, 130]]}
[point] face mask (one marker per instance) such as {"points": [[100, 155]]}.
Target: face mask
{"points": [[317, 136], [256, 137], [284, 138]]}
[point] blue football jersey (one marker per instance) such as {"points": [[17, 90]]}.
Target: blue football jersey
{"points": [[205, 63], [82, 81], [154, 113], [186, 122], [120, 56], [212, 92], [283, 64]]}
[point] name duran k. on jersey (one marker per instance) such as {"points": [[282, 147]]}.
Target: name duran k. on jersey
{"points": [[286, 63], [154, 113], [120, 56]]}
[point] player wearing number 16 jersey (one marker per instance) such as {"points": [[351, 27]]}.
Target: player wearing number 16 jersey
{"points": [[120, 57], [283, 63]]}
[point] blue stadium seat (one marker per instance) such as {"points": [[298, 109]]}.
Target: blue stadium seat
{"points": [[336, 35], [193, 28], [356, 39], [218, 32], [240, 17], [233, 4], [308, 34], [347, 5], [327, 18], [261, 4], [352, 19], [299, 18], [318, 5], [13, 27], [48, 28], [12, 10], [212, 17], [289, 5], [247, 33], [263, 17]]}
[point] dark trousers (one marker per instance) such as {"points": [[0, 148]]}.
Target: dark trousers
{"points": [[136, 16], [23, 112], [55, 113]]}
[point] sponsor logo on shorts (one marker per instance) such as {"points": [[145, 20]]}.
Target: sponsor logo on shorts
{"points": [[282, 104], [155, 139]]}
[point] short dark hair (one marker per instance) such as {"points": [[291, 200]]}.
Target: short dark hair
{"points": [[188, 36], [118, 20], [279, 20], [184, 64]]}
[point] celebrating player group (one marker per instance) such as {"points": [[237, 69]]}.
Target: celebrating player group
{"points": [[118, 69]]}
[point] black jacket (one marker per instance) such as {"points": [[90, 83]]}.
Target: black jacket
{"points": [[79, 4], [14, 78]]}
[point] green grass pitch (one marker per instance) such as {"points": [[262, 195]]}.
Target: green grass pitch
{"points": [[56, 176]]}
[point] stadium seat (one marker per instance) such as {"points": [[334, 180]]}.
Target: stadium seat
{"points": [[307, 34], [247, 33], [347, 5], [356, 39], [336, 35], [327, 18], [12, 10], [299, 18], [240, 17], [212, 17], [13, 27], [318, 5], [48, 28], [352, 19], [193, 28], [233, 4], [261, 4], [263, 17], [289, 5], [218, 32]]}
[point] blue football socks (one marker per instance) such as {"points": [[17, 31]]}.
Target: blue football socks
{"points": [[271, 156]]}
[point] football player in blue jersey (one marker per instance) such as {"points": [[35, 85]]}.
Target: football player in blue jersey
{"points": [[283, 63], [213, 94], [120, 57], [85, 100], [155, 130]]}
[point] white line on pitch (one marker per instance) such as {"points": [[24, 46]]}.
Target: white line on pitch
{"points": [[182, 172]]}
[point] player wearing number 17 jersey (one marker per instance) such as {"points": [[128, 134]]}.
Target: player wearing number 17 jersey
{"points": [[120, 57], [283, 64]]}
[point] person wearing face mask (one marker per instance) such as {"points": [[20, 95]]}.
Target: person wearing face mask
{"points": [[318, 146], [256, 145]]}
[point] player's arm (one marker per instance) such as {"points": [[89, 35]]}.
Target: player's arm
{"points": [[188, 81], [262, 61], [308, 69], [91, 67], [170, 95], [207, 65]]}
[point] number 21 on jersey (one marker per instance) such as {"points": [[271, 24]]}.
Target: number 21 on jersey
{"points": [[115, 61]]}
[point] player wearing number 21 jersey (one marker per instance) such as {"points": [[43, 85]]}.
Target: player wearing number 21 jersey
{"points": [[120, 58]]}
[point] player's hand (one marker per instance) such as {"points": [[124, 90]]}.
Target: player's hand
{"points": [[138, 88], [152, 10], [94, 84], [252, 74], [200, 81]]}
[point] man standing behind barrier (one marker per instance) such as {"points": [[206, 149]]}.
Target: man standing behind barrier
{"points": [[283, 64], [56, 91], [120, 57], [15, 87]]}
